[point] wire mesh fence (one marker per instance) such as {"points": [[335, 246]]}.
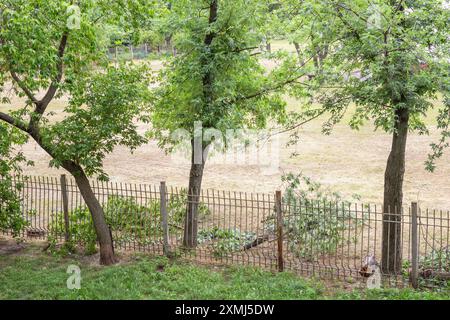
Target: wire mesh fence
{"points": [[312, 238], [130, 52]]}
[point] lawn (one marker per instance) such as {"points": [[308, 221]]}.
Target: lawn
{"points": [[32, 274]]}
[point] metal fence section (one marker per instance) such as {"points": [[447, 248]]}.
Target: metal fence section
{"points": [[130, 52], [273, 231]]}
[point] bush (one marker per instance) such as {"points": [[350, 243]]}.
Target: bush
{"points": [[11, 219], [81, 231]]}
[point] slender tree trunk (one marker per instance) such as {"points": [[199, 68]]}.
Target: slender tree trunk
{"points": [[197, 167], [393, 196], [98, 217], [194, 189], [168, 41], [298, 50], [269, 47], [117, 57]]}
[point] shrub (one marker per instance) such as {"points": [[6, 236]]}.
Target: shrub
{"points": [[11, 219], [81, 231]]}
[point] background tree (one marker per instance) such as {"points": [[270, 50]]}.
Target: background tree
{"points": [[302, 24], [392, 61], [42, 58]]}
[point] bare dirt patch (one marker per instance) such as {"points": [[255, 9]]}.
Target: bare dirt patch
{"points": [[347, 161], [10, 247], [351, 162]]}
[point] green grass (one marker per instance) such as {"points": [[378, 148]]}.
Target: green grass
{"points": [[34, 275]]}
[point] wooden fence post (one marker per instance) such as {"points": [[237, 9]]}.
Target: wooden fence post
{"points": [[165, 224], [278, 209], [65, 200], [414, 246]]}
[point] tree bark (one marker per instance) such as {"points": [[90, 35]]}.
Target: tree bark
{"points": [[194, 189], [393, 196], [98, 217]]}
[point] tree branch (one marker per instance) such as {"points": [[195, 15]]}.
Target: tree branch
{"points": [[275, 87], [13, 121], [42, 105], [24, 88]]}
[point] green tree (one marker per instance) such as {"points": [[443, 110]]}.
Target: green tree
{"points": [[391, 58], [218, 80], [47, 51]]}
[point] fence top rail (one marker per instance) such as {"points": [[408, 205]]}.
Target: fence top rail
{"points": [[209, 194]]}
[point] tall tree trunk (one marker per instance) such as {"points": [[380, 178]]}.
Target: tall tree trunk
{"points": [[393, 196], [98, 217], [198, 165], [194, 189]]}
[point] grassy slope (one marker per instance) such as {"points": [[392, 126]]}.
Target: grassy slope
{"points": [[34, 275]]}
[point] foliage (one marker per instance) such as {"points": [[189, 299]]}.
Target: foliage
{"points": [[217, 78], [81, 231], [436, 260], [128, 220], [318, 221], [11, 218], [104, 103], [224, 241], [115, 99], [384, 57], [443, 121], [41, 51]]}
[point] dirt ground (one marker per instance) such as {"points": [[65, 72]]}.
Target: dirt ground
{"points": [[351, 162]]}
